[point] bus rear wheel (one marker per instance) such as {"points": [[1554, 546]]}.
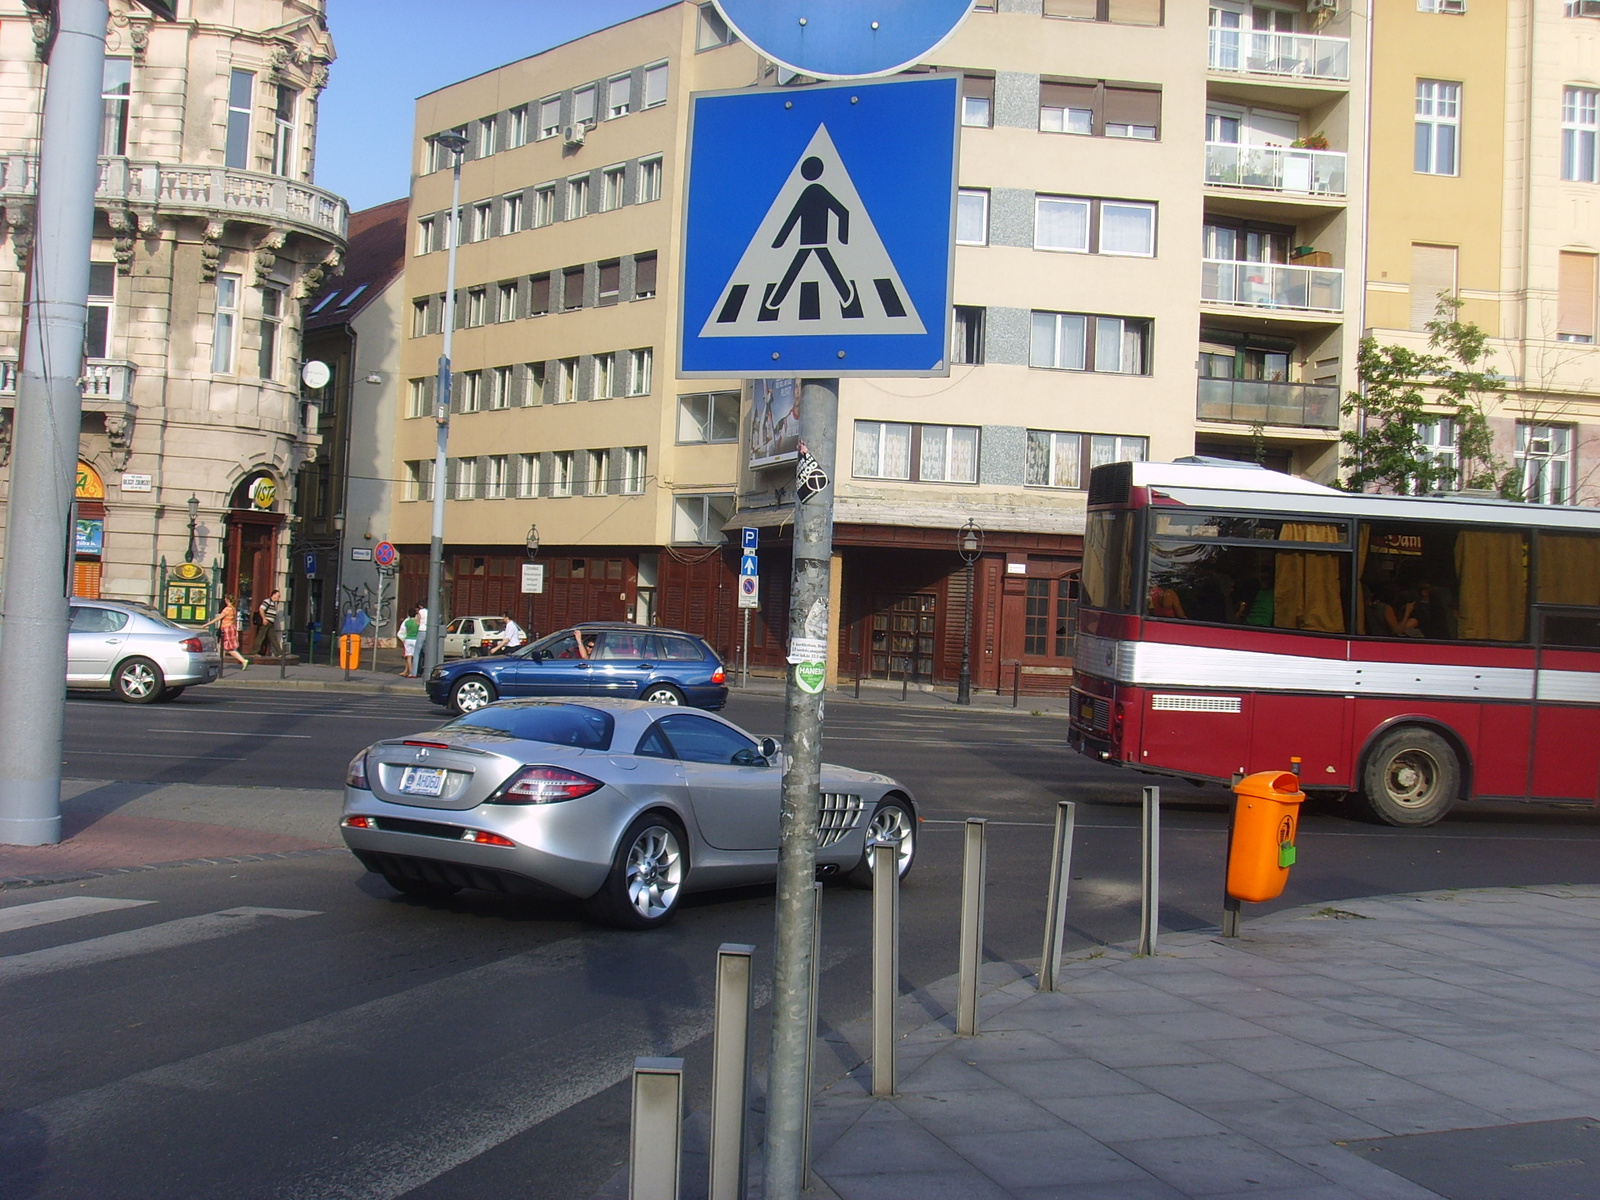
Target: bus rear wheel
{"points": [[1412, 778]]}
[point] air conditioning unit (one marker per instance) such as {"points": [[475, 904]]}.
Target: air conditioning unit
{"points": [[1585, 8], [1452, 6], [1539, 447], [1321, 6], [573, 135]]}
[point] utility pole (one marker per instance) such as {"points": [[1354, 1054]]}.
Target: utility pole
{"points": [[44, 460]]}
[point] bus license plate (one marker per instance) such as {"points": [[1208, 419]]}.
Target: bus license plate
{"points": [[423, 781]]}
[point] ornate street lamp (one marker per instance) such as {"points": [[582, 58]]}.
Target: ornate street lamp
{"points": [[532, 542], [194, 516], [969, 544]]}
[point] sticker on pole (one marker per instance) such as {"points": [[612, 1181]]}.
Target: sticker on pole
{"points": [[807, 649], [810, 676]]}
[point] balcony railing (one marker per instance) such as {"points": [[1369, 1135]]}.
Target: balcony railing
{"points": [[1257, 402], [247, 194], [1272, 285], [1276, 168], [1304, 55], [105, 382]]}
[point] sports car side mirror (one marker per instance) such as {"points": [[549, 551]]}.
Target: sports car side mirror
{"points": [[769, 747]]}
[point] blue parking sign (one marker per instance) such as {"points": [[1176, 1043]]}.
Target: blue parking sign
{"points": [[751, 539], [819, 231]]}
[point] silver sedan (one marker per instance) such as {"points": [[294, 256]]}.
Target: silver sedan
{"points": [[136, 652], [624, 804]]}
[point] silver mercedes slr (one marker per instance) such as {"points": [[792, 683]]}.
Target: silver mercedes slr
{"points": [[623, 804]]}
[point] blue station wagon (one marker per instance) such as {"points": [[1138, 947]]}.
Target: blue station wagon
{"points": [[628, 662]]}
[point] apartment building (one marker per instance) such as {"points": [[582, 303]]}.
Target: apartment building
{"points": [[1151, 252], [208, 233], [1484, 187]]}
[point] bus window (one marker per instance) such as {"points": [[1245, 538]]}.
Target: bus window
{"points": [[1569, 569], [1107, 580], [1442, 582], [1273, 587]]}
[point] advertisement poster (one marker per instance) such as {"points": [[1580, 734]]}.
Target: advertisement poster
{"points": [[774, 421], [90, 536]]}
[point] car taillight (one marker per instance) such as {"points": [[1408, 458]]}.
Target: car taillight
{"points": [[356, 774], [192, 645], [545, 785], [717, 676], [1116, 723]]}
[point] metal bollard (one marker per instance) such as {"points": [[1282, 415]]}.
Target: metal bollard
{"points": [[811, 1058], [1016, 682], [885, 962], [730, 1073], [1150, 872], [655, 1139], [905, 676], [1055, 910], [974, 872]]}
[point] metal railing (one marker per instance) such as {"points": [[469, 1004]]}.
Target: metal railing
{"points": [[1258, 402], [1276, 168], [1272, 285], [1306, 55], [217, 189]]}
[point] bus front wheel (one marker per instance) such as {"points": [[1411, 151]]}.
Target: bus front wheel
{"points": [[1412, 777]]}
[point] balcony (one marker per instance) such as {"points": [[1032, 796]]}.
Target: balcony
{"points": [[1285, 169], [106, 383], [247, 195], [1257, 402], [1292, 55], [1283, 286]]}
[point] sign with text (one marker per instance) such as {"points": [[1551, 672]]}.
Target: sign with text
{"points": [[532, 579]]}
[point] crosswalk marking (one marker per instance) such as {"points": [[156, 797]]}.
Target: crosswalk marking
{"points": [[45, 912], [164, 936]]}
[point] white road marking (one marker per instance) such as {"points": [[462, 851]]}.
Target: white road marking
{"points": [[230, 733], [165, 936], [137, 754], [44, 912]]}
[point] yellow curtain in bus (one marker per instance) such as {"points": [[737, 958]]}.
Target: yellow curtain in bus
{"points": [[1305, 589], [1492, 569], [1569, 569], [1363, 543]]}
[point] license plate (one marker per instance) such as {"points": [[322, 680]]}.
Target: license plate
{"points": [[423, 781]]}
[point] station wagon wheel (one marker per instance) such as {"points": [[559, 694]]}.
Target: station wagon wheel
{"points": [[138, 681], [892, 820], [1412, 777], [472, 692], [662, 693], [647, 876]]}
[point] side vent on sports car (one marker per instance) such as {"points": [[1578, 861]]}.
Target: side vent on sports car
{"points": [[840, 813]]}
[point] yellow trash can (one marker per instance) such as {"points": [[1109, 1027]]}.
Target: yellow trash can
{"points": [[1266, 815]]}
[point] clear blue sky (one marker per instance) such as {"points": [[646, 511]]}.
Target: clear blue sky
{"points": [[392, 51]]}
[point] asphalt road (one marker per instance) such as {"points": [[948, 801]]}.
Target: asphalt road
{"points": [[292, 1029]]}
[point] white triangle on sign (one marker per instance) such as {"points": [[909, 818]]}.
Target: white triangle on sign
{"points": [[816, 264]]}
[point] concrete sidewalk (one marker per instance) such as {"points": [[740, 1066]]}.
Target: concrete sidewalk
{"points": [[1290, 1062]]}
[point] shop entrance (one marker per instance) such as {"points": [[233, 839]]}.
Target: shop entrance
{"points": [[903, 636]]}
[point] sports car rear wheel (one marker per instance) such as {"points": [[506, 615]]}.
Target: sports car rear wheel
{"points": [[893, 821], [647, 875]]}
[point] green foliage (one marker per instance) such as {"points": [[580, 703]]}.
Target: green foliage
{"points": [[1404, 390]]}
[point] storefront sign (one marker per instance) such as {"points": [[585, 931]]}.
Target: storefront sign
{"points": [[360, 553], [263, 492], [187, 597], [89, 485]]}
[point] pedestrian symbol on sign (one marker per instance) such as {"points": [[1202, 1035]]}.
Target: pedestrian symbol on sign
{"points": [[816, 232]]}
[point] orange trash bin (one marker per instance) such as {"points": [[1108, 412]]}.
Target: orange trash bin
{"points": [[350, 651], [1266, 814]]}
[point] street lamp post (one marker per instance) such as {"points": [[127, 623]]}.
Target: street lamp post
{"points": [[456, 144], [194, 516], [531, 544], [969, 544]]}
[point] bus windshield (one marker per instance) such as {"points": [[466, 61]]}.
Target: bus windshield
{"points": [[1107, 581]]}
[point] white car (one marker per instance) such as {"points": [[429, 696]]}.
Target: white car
{"points": [[471, 637], [136, 652]]}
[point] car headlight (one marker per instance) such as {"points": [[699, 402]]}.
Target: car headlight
{"points": [[355, 774], [437, 673]]}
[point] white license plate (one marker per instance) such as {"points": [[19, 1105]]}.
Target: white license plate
{"points": [[423, 781]]}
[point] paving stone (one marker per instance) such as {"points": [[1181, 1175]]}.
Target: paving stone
{"points": [[1274, 1052], [954, 1183], [1137, 1051], [1201, 1083], [1130, 1116], [1216, 1163], [1043, 1158], [1147, 1188], [1289, 1120], [1077, 1077], [994, 1111]]}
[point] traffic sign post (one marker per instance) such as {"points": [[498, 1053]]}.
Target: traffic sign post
{"points": [[749, 596], [845, 39]]}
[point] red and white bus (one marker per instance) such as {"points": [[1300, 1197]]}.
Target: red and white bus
{"points": [[1417, 652]]}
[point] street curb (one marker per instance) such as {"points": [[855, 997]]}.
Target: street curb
{"points": [[13, 883], [323, 685]]}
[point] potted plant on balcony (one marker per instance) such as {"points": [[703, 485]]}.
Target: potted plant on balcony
{"points": [[1313, 141]]}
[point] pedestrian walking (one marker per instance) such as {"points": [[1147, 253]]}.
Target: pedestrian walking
{"points": [[408, 642], [227, 623], [267, 616], [511, 637]]}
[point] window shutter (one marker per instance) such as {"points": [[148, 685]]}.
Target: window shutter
{"points": [[1433, 270], [610, 281], [978, 85], [480, 477], [580, 473], [1083, 10], [617, 456], [1133, 106], [572, 288], [455, 391], [1066, 95], [538, 294], [644, 274], [1575, 298]]}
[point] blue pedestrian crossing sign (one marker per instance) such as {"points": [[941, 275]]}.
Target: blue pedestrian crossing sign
{"points": [[820, 229]]}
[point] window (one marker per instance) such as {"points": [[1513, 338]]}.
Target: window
{"points": [[539, 294], [488, 137], [533, 383], [583, 106], [1082, 342], [505, 302], [1580, 128], [419, 318], [610, 281], [612, 194], [1438, 127], [482, 222], [571, 288], [598, 472], [924, 453], [655, 85], [225, 329], [966, 335], [567, 382], [518, 126], [708, 417], [1131, 113], [701, 518], [1083, 226], [1544, 463], [544, 206], [1054, 459], [972, 217], [882, 450], [702, 740], [633, 470], [1100, 110], [419, 479], [427, 235], [577, 197], [241, 87], [1575, 298], [1438, 437], [477, 305], [1066, 108], [1048, 617], [649, 179], [495, 481], [619, 92], [713, 30], [1583, 8], [1118, 12], [644, 276], [549, 116], [561, 473], [947, 454], [1442, 6], [271, 329], [527, 476], [419, 401], [639, 364], [116, 89], [1433, 275], [463, 479], [469, 399], [977, 101], [352, 296], [605, 371], [102, 300], [283, 132], [500, 387]]}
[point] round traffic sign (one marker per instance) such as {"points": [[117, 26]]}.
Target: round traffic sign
{"points": [[844, 39], [747, 585], [385, 555]]}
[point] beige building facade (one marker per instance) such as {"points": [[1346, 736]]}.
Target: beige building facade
{"points": [[209, 233]]}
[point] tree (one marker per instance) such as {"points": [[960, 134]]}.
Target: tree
{"points": [[1403, 391]]}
